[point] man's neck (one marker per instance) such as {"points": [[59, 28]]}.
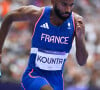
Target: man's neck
{"points": [[54, 19]]}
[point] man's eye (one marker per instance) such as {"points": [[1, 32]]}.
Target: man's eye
{"points": [[64, 4]]}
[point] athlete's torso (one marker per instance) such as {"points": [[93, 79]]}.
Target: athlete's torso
{"points": [[50, 47], [49, 37], [56, 40]]}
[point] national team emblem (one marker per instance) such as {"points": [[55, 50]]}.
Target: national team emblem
{"points": [[69, 25]]}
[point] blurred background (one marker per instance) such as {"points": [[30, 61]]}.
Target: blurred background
{"points": [[18, 42]]}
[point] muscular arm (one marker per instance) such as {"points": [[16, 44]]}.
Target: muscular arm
{"points": [[25, 13], [81, 53]]}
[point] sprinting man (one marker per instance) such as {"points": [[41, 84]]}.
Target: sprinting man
{"points": [[54, 29]]}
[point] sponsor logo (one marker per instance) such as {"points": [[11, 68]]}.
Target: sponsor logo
{"points": [[45, 25]]}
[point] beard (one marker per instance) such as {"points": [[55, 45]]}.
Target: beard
{"points": [[58, 13]]}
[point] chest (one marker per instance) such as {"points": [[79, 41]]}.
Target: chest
{"points": [[50, 37], [50, 33]]}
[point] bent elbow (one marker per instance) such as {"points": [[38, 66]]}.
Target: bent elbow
{"points": [[9, 17]]}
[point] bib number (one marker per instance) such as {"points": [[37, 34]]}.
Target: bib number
{"points": [[48, 61]]}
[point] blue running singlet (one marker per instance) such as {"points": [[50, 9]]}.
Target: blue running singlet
{"points": [[50, 47]]}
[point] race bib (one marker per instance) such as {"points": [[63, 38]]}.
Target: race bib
{"points": [[50, 60]]}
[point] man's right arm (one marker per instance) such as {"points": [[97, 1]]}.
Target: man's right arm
{"points": [[25, 13]]}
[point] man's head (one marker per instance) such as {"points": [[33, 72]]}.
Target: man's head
{"points": [[63, 8]]}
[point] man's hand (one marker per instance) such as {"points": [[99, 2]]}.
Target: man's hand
{"points": [[80, 28]]}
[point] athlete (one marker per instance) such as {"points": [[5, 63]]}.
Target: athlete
{"points": [[54, 28]]}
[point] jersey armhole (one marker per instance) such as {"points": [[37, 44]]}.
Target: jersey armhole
{"points": [[73, 21], [37, 22], [73, 18]]}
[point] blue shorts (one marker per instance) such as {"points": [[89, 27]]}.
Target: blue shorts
{"points": [[31, 82], [35, 79]]}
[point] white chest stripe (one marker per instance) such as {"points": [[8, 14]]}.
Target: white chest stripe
{"points": [[34, 50]]}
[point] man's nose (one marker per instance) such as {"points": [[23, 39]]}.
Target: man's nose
{"points": [[68, 9]]}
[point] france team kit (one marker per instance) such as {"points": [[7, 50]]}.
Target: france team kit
{"points": [[50, 47]]}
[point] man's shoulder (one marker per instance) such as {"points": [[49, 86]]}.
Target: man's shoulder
{"points": [[31, 9], [77, 17]]}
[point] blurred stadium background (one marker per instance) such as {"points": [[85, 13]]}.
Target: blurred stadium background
{"points": [[17, 47]]}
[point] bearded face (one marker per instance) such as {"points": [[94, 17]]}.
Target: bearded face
{"points": [[63, 8], [60, 14]]}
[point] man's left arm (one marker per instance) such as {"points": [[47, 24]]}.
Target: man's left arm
{"points": [[81, 52]]}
